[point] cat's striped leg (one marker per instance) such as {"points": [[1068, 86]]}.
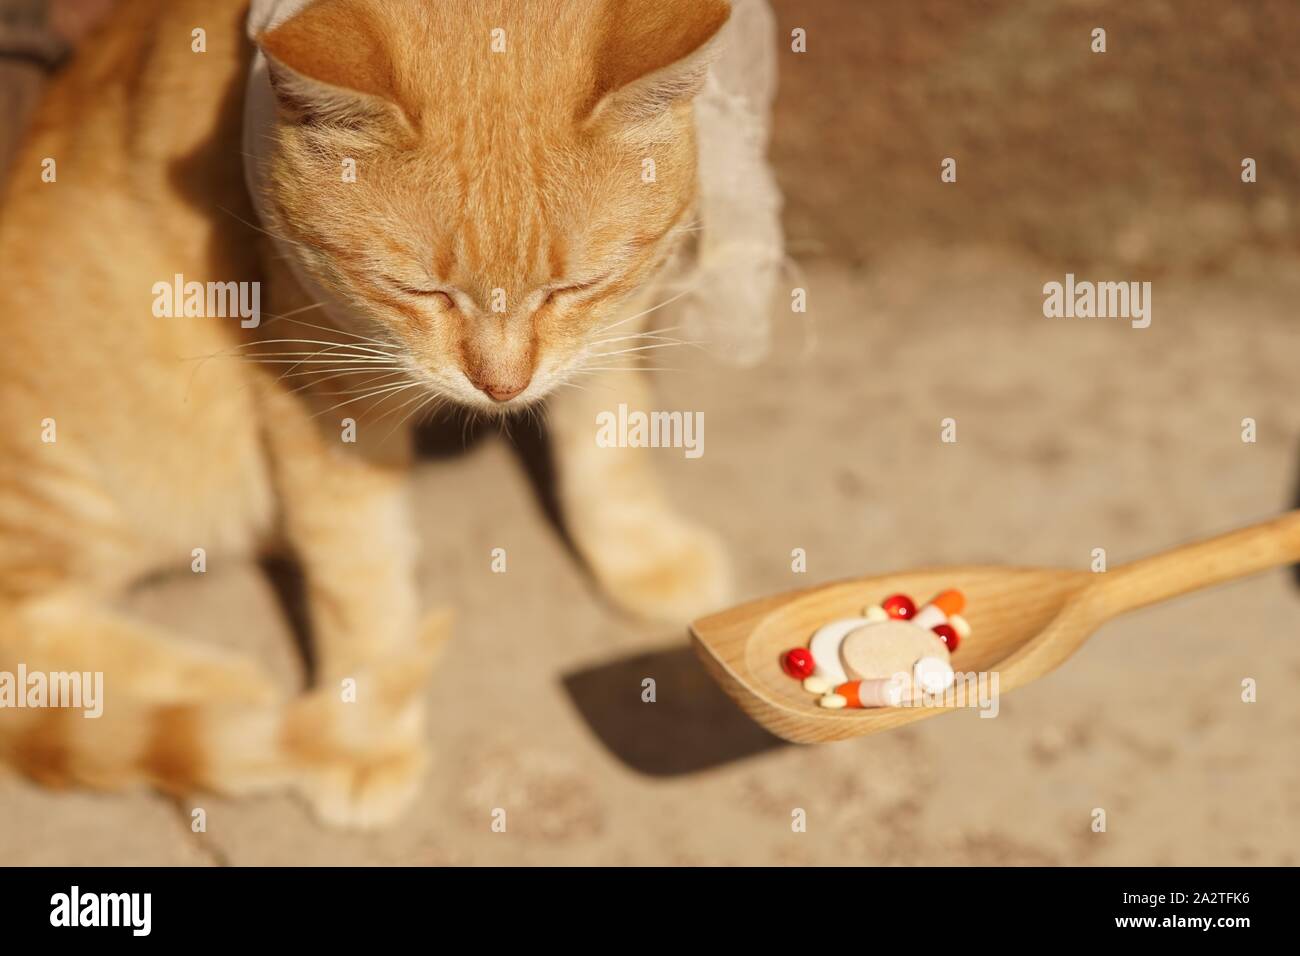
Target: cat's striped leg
{"points": [[647, 557], [135, 705], [346, 517], [152, 708]]}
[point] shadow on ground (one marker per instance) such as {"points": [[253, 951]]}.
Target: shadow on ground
{"points": [[692, 725]]}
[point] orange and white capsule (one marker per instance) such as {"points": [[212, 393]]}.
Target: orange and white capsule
{"points": [[882, 692], [941, 607]]}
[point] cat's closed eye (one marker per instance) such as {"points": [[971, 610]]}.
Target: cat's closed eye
{"points": [[574, 288], [443, 298]]}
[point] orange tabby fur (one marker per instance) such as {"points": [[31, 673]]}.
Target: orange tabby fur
{"points": [[480, 176]]}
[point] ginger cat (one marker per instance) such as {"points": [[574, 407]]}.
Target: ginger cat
{"points": [[496, 242]]}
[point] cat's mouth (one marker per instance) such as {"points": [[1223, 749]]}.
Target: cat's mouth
{"points": [[490, 395]]}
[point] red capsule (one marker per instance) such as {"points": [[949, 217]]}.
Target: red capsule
{"points": [[948, 634], [798, 663], [899, 606]]}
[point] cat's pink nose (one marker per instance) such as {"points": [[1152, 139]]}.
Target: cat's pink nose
{"points": [[502, 391]]}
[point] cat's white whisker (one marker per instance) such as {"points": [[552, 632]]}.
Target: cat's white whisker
{"points": [[652, 334], [267, 320], [321, 381], [326, 355], [406, 404], [669, 301], [292, 312], [319, 357], [329, 373], [356, 391], [396, 392], [330, 352], [625, 368], [641, 348], [348, 370], [384, 390], [332, 345], [431, 404], [347, 332], [328, 360]]}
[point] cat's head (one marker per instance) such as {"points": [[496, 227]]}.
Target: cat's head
{"points": [[489, 180]]}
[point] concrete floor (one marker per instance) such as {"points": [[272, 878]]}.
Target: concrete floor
{"points": [[1071, 435]]}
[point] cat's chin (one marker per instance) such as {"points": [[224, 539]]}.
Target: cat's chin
{"points": [[494, 409]]}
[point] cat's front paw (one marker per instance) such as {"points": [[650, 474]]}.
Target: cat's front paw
{"points": [[666, 570], [368, 792], [361, 759]]}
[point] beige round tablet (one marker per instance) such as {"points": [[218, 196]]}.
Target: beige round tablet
{"points": [[877, 651]]}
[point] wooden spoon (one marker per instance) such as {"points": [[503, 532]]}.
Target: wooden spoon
{"points": [[1025, 622]]}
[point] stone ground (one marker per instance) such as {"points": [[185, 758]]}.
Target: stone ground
{"points": [[1072, 435]]}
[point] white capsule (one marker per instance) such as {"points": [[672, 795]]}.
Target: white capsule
{"points": [[816, 685], [883, 691], [960, 625], [825, 648], [876, 613], [833, 701], [933, 674], [928, 617]]}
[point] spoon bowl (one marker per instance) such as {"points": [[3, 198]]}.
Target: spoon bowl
{"points": [[1024, 623]]}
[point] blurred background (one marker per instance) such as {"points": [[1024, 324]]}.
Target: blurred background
{"points": [[925, 302]]}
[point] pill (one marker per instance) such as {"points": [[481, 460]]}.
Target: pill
{"points": [[899, 606], [833, 701], [960, 625], [890, 647], [849, 691], [816, 685], [798, 662], [950, 602], [825, 647], [876, 613], [948, 634], [880, 692], [933, 674], [938, 610], [929, 616]]}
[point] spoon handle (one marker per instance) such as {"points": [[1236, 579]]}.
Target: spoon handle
{"points": [[1202, 564]]}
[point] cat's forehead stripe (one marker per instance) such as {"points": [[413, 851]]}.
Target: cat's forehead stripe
{"points": [[556, 255]]}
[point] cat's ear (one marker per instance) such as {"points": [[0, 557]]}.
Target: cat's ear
{"points": [[329, 64], [652, 54]]}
